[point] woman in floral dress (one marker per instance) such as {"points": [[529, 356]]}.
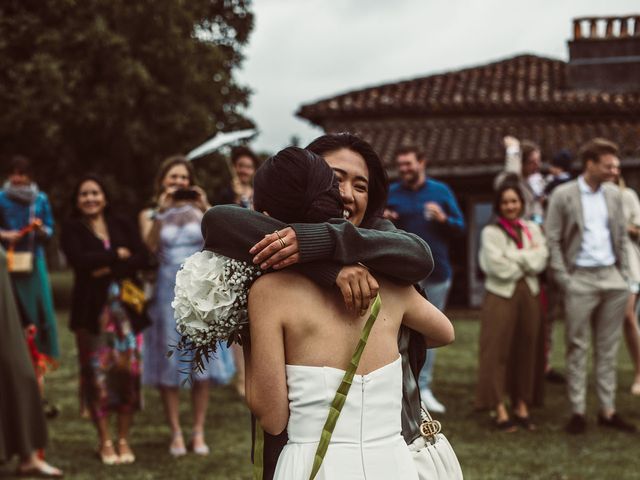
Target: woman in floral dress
{"points": [[104, 249]]}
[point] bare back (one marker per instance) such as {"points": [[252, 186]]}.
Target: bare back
{"points": [[319, 331], [295, 322]]}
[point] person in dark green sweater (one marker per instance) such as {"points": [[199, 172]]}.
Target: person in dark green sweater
{"points": [[344, 253]]}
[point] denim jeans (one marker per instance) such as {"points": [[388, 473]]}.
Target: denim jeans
{"points": [[437, 293]]}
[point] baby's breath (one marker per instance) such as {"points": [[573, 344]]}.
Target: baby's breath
{"points": [[210, 304]]}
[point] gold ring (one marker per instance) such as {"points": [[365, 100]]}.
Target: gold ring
{"points": [[282, 242]]}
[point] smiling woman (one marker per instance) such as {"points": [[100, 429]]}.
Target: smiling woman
{"points": [[103, 249], [171, 230], [512, 254], [331, 251], [363, 181]]}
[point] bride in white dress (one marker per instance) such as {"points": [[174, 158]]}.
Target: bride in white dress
{"points": [[302, 339]]}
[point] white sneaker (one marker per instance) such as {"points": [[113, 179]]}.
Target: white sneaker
{"points": [[431, 402]]}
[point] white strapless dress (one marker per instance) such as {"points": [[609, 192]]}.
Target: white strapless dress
{"points": [[366, 442]]}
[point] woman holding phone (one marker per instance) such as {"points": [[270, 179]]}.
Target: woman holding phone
{"points": [[172, 232]]}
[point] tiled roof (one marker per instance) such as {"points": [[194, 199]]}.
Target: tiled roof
{"points": [[459, 118], [472, 145], [525, 83]]}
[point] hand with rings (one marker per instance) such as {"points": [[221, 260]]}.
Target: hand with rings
{"points": [[277, 250]]}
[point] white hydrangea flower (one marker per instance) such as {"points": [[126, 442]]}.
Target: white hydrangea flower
{"points": [[210, 302]]}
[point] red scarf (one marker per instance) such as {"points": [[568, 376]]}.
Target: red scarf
{"points": [[515, 229]]}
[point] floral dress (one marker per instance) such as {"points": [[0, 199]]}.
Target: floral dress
{"points": [[110, 361]]}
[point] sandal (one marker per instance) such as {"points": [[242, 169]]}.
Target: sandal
{"points": [[525, 422], [43, 471], [127, 457], [506, 426], [108, 458], [174, 451], [203, 449]]}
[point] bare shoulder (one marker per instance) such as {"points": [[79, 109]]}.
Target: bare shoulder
{"points": [[397, 291], [277, 286]]}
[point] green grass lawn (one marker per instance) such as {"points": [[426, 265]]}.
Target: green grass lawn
{"points": [[484, 453]]}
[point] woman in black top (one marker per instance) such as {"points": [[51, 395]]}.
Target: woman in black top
{"points": [[104, 249]]}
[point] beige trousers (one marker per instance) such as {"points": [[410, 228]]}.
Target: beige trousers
{"points": [[595, 300]]}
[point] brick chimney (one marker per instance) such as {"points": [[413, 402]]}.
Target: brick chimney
{"points": [[605, 54]]}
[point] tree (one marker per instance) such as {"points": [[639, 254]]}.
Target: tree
{"points": [[113, 86]]}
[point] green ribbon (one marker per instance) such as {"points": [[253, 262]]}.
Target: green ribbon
{"points": [[341, 394]]}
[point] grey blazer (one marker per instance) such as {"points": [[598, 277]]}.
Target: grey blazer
{"points": [[564, 225]]}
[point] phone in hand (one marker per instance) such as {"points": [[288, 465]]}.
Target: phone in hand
{"points": [[186, 194]]}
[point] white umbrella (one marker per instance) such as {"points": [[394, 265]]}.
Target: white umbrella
{"points": [[219, 140]]}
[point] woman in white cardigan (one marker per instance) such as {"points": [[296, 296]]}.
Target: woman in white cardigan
{"points": [[513, 253]]}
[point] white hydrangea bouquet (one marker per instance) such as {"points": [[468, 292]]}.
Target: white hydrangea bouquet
{"points": [[210, 304]]}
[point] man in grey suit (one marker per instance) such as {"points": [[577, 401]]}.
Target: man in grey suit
{"points": [[586, 233]]}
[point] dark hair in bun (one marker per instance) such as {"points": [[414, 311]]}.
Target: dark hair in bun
{"points": [[297, 186]]}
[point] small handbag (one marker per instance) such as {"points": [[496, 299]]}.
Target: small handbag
{"points": [[134, 300], [132, 296], [432, 453], [19, 262], [22, 262]]}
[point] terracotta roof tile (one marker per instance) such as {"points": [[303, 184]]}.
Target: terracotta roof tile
{"points": [[460, 117], [472, 145], [523, 83]]}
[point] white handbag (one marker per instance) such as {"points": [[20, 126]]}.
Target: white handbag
{"points": [[433, 454]]}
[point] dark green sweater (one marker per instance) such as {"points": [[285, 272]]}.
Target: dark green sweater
{"points": [[324, 247]]}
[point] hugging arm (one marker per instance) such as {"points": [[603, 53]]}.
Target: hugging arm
{"points": [[421, 316], [323, 247], [265, 375], [400, 255]]}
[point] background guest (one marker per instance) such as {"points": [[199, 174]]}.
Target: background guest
{"points": [[522, 165], [240, 191], [104, 249], [23, 429], [559, 170], [512, 254], [21, 203], [631, 208], [587, 234], [172, 231], [26, 225], [428, 208]]}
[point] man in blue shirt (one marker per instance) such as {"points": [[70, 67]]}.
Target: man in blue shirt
{"points": [[427, 208]]}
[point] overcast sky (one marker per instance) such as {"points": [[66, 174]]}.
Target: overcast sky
{"points": [[305, 50]]}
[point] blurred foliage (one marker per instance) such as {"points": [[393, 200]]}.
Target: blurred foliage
{"points": [[113, 87]]}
